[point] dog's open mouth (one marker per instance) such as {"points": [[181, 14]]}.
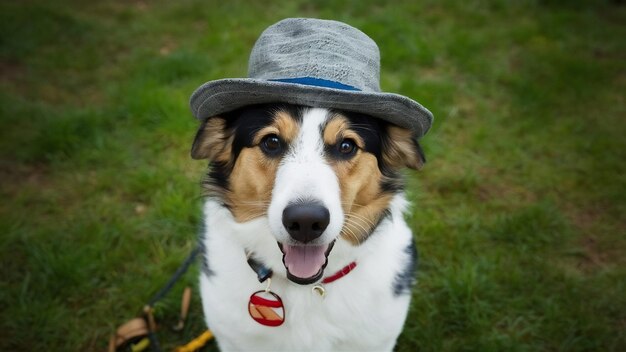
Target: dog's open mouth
{"points": [[305, 264]]}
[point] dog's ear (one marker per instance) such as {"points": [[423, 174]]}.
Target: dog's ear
{"points": [[212, 140], [402, 149]]}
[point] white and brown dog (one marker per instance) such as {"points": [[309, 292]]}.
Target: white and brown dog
{"points": [[311, 198], [304, 241]]}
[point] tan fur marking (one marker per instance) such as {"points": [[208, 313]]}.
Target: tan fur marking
{"points": [[359, 181], [401, 150], [283, 126], [338, 129], [334, 129], [361, 198], [252, 178], [251, 183], [287, 126], [362, 219], [212, 141]]}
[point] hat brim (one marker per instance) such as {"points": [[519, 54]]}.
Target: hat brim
{"points": [[224, 95]]}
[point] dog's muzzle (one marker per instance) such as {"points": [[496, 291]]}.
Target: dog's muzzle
{"points": [[305, 259]]}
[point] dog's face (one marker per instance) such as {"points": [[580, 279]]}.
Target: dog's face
{"points": [[316, 174]]}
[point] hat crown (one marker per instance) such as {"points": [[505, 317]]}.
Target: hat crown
{"points": [[321, 49]]}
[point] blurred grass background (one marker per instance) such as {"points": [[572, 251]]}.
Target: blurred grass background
{"points": [[519, 214]]}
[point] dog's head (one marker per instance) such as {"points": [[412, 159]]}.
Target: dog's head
{"points": [[317, 174]]}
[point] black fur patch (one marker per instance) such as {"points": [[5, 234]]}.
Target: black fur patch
{"points": [[369, 128], [218, 175], [245, 123], [392, 182], [405, 278], [386, 214], [206, 269]]}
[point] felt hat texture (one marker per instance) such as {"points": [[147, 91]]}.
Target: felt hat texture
{"points": [[313, 62]]}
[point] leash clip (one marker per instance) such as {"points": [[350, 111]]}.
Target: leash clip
{"points": [[319, 289]]}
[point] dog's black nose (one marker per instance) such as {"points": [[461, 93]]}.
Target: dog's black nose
{"points": [[305, 221]]}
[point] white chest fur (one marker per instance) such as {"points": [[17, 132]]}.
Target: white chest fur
{"points": [[360, 311]]}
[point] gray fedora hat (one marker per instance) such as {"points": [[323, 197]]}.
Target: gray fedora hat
{"points": [[313, 62]]}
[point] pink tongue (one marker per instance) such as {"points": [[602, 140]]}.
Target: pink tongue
{"points": [[304, 261]]}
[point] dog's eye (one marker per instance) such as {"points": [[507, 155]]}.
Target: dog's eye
{"points": [[271, 144], [347, 147]]}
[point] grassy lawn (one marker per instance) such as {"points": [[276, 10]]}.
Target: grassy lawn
{"points": [[518, 215]]}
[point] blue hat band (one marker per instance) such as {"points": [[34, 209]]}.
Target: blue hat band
{"points": [[317, 82]]}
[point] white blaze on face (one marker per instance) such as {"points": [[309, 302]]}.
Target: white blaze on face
{"points": [[305, 175]]}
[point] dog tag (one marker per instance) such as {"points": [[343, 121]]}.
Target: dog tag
{"points": [[266, 308]]}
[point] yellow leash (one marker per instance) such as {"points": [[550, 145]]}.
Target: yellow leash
{"points": [[196, 343]]}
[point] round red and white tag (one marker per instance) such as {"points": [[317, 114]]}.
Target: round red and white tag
{"points": [[266, 308]]}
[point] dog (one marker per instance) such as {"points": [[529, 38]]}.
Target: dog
{"points": [[304, 242], [306, 191]]}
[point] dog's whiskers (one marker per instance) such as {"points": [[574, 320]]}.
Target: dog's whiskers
{"points": [[367, 221], [249, 213], [254, 202], [352, 204], [350, 234], [353, 225]]}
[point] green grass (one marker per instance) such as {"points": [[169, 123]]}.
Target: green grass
{"points": [[518, 214]]}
